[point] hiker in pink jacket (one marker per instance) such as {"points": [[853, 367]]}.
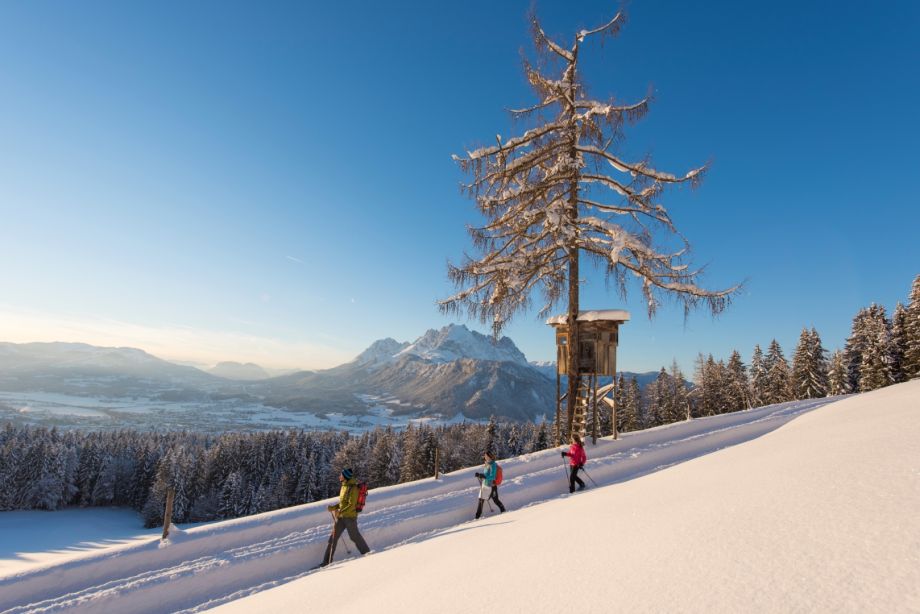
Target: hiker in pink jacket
{"points": [[577, 460]]}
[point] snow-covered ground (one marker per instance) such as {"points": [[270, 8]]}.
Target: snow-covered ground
{"points": [[34, 538], [820, 515]]}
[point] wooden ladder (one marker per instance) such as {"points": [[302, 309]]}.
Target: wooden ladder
{"points": [[582, 406]]}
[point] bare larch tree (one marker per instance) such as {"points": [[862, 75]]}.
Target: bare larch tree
{"points": [[560, 189]]}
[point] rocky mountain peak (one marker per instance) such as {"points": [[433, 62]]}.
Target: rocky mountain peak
{"points": [[456, 341], [380, 351]]}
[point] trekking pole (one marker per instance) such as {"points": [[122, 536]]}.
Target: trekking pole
{"points": [[344, 543], [335, 519], [565, 467], [333, 538], [589, 477]]}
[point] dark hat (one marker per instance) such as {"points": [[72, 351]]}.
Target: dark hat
{"points": [[347, 473]]}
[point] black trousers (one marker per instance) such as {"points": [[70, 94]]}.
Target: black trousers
{"points": [[493, 495], [573, 477], [342, 525]]}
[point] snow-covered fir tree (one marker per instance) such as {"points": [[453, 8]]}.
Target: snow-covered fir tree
{"points": [[877, 359], [306, 488], [515, 442], [701, 397], [412, 466], [488, 441], [899, 342], [911, 362], [712, 396], [541, 441], [231, 499], [818, 360], [800, 366], [619, 396], [658, 399], [562, 189], [428, 450], [758, 378], [352, 456], [633, 405], [838, 379], [778, 387], [737, 386], [385, 460], [667, 397], [809, 367], [865, 337], [629, 405], [679, 402]]}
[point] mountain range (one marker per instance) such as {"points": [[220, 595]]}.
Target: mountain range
{"points": [[239, 371], [452, 372], [448, 372]]}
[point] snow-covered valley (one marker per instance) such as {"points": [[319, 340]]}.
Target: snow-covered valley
{"points": [[446, 376], [661, 534], [207, 416]]}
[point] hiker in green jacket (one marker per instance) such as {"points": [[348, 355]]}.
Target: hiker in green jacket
{"points": [[346, 517]]}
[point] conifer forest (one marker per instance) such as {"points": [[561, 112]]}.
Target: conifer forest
{"points": [[237, 473]]}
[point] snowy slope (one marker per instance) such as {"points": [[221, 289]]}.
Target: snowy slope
{"points": [[727, 517], [380, 351], [819, 516], [32, 538]]}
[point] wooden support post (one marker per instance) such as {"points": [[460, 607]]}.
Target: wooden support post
{"points": [[558, 409], [437, 461], [616, 384], [594, 409], [613, 410], [167, 514]]}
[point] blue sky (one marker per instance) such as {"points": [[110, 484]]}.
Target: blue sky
{"points": [[274, 183]]}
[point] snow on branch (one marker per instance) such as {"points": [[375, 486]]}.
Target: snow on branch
{"points": [[611, 28], [542, 41], [641, 168], [613, 112], [527, 111], [524, 139], [538, 194]]}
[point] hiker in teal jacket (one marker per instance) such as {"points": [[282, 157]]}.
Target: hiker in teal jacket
{"points": [[346, 517], [487, 480]]}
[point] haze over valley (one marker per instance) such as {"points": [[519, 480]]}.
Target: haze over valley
{"points": [[447, 375]]}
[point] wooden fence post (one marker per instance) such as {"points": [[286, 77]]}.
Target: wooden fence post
{"points": [[167, 515]]}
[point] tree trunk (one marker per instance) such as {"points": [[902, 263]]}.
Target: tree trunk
{"points": [[572, 319]]}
